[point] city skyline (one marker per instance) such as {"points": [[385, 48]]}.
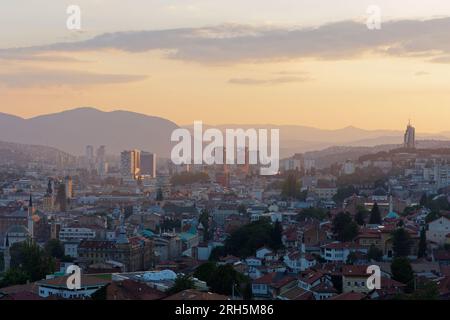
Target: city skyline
{"points": [[398, 128]]}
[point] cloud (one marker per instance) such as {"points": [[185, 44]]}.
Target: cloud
{"points": [[273, 81], [427, 39], [50, 78], [441, 59], [421, 73]]}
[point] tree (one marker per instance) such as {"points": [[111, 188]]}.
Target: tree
{"points": [[291, 187], [360, 217], [315, 213], [159, 195], [225, 278], [217, 253], [276, 236], [402, 271], [187, 178], [14, 277], [424, 200], [428, 291], [344, 227], [30, 261], [242, 209], [206, 271], [375, 254], [401, 243], [222, 279], [54, 248], [182, 282], [344, 192], [244, 241], [375, 215], [351, 258], [422, 244], [204, 220]]}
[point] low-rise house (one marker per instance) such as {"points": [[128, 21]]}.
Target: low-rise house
{"points": [[439, 230], [339, 251], [272, 285], [311, 279], [442, 257], [253, 262], [57, 287], [262, 252], [298, 261], [389, 289], [354, 279]]}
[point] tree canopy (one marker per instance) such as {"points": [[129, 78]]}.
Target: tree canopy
{"points": [[28, 263], [401, 243], [222, 279], [375, 215], [247, 239], [402, 272], [344, 227], [186, 178]]}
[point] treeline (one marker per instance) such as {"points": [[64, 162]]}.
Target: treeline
{"points": [[247, 239], [186, 178], [30, 262]]}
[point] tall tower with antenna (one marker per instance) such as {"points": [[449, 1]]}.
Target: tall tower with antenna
{"points": [[409, 141]]}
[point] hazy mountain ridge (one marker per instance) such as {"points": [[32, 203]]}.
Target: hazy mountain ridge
{"points": [[339, 154], [71, 130], [22, 154]]}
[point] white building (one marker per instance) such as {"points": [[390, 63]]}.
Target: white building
{"points": [[339, 251], [438, 230], [76, 234], [348, 168], [57, 287]]}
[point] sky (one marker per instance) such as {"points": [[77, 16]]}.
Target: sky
{"points": [[303, 62]]}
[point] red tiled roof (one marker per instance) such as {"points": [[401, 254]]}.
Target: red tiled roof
{"points": [[195, 295], [85, 281], [355, 271], [349, 296], [24, 295], [341, 245], [132, 290], [311, 277]]}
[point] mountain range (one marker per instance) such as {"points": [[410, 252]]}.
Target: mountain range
{"points": [[70, 131]]}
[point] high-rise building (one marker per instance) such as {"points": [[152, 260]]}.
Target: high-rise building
{"points": [[102, 165], [68, 184], [148, 164], [130, 164], [89, 155], [410, 137]]}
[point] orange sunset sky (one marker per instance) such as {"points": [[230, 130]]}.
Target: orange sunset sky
{"points": [[309, 63]]}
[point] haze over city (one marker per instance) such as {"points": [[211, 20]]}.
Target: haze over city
{"points": [[225, 151]]}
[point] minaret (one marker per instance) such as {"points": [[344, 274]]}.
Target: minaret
{"points": [[391, 204], [6, 255], [30, 221]]}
